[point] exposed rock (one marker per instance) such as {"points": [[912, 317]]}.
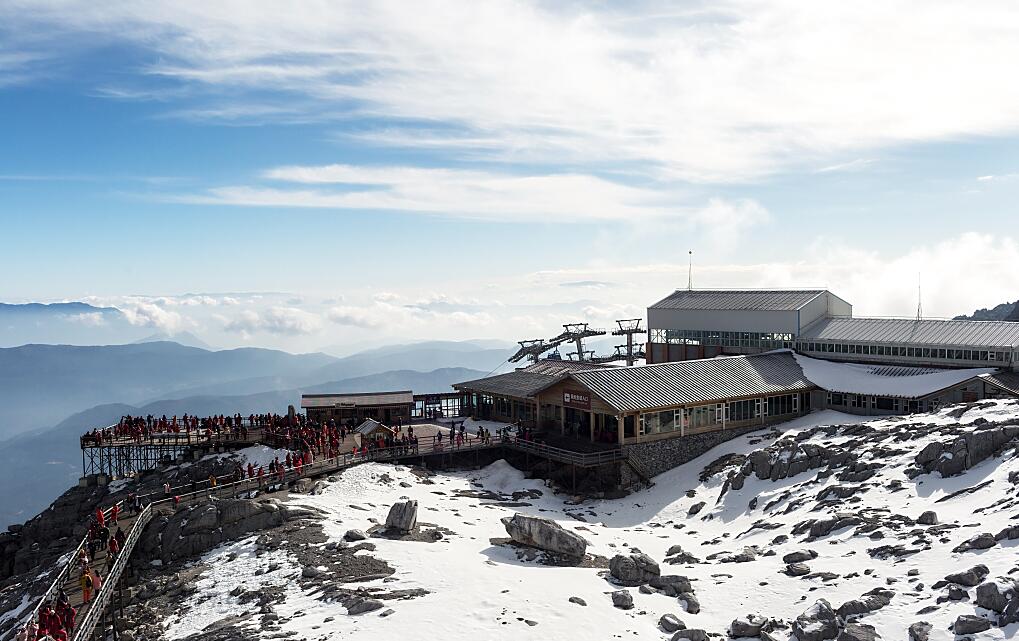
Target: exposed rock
{"points": [[544, 534], [671, 584], [797, 569], [817, 623], [970, 624], [858, 632], [928, 518], [990, 597], [696, 508], [799, 556], [354, 535], [749, 626], [873, 600], [364, 605], [634, 569], [403, 516], [622, 599], [690, 634], [671, 623], [690, 602], [970, 577], [978, 542], [578, 600], [920, 631]]}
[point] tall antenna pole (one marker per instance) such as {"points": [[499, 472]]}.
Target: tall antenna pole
{"points": [[919, 299], [689, 274]]}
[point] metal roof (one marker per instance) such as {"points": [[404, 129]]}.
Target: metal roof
{"points": [[1008, 381], [739, 299], [961, 333], [360, 399], [371, 426], [697, 381], [519, 384], [556, 367]]}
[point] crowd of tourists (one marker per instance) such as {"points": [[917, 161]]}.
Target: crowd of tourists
{"points": [[139, 428]]}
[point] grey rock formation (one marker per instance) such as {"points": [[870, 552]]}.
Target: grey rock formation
{"points": [[545, 535], [928, 518], [749, 626], [191, 531], [920, 631], [690, 634], [858, 632], [635, 569], [622, 599], [817, 623], [869, 602], [990, 597], [578, 600], [970, 624], [365, 605], [799, 556], [354, 535], [671, 623], [973, 576], [671, 584], [690, 602], [797, 569], [403, 516]]}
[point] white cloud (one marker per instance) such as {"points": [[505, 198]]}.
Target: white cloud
{"points": [[147, 314], [89, 319], [354, 317], [716, 92], [484, 195], [280, 320]]}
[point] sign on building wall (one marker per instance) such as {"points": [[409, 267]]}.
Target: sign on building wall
{"points": [[577, 399]]}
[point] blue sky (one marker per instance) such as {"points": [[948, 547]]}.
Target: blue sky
{"points": [[457, 170]]}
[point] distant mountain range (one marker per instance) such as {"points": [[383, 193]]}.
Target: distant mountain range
{"points": [[1004, 311]]}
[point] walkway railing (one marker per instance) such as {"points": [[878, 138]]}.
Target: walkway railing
{"points": [[97, 607]]}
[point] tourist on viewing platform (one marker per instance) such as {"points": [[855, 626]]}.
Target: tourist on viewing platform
{"points": [[212, 480], [120, 537], [114, 513], [111, 554], [100, 517]]}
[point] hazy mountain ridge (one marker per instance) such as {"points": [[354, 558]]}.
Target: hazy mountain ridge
{"points": [[1005, 311]]}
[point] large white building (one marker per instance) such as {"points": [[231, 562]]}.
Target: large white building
{"points": [[691, 324]]}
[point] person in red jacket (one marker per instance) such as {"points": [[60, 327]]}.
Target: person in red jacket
{"points": [[100, 517], [114, 513]]}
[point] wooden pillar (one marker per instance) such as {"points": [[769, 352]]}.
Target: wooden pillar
{"points": [[562, 419], [590, 420], [620, 420], [537, 412]]}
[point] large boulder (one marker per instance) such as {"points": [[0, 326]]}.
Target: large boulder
{"points": [[990, 597], [635, 569], [403, 516], [928, 518], [671, 623], [749, 626], [970, 624], [920, 631], [817, 623], [973, 576], [858, 632], [544, 534]]}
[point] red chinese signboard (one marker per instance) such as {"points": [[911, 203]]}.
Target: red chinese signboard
{"points": [[577, 399]]}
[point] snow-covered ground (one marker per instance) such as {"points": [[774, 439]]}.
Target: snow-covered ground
{"points": [[478, 590]]}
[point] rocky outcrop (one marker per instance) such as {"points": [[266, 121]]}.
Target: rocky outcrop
{"points": [[873, 600], [190, 531], [962, 453], [749, 626], [403, 516], [817, 623], [969, 578], [544, 534], [622, 599], [970, 624], [635, 569]]}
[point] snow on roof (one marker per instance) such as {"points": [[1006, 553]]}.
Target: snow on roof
{"points": [[882, 380]]}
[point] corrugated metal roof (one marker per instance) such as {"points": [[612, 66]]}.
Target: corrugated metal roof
{"points": [[371, 426], [555, 367], [1009, 381], [519, 383], [919, 332], [698, 381], [739, 299], [357, 399]]}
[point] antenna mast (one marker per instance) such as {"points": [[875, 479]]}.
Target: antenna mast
{"points": [[919, 299], [689, 274]]}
